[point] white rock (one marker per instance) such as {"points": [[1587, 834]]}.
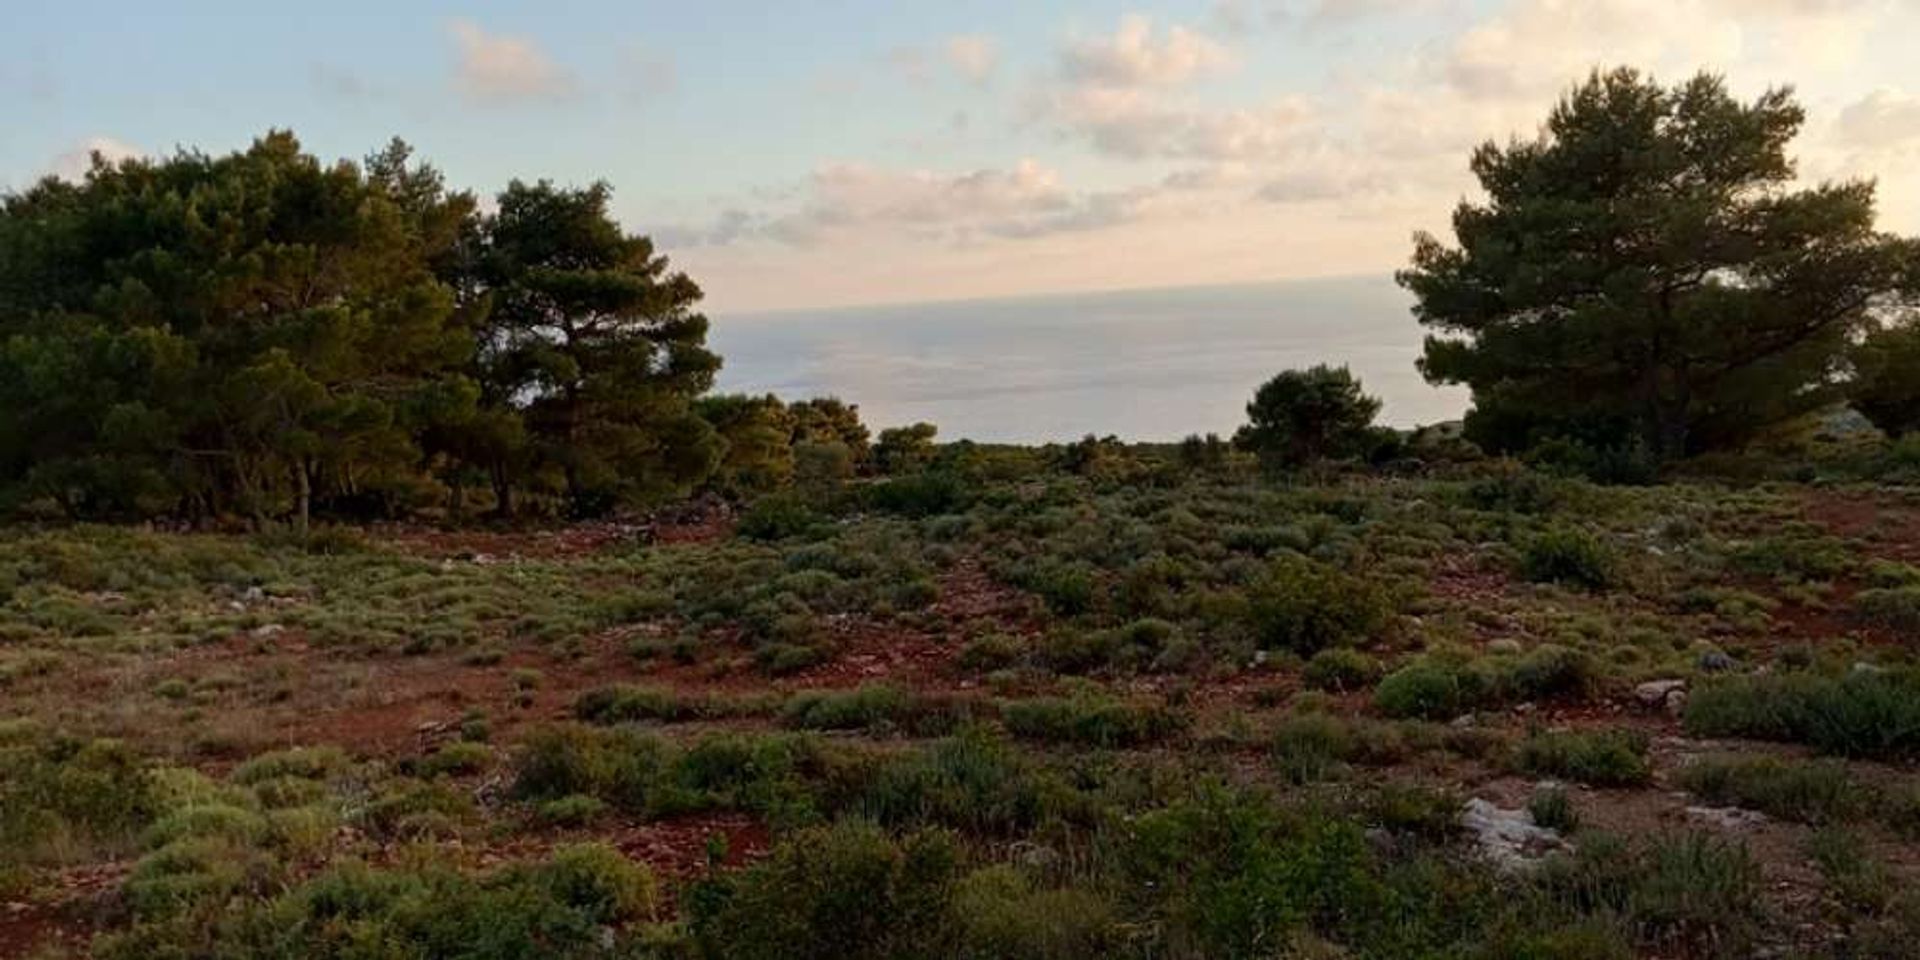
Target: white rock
{"points": [[267, 630], [1509, 839], [1655, 693], [1728, 818]]}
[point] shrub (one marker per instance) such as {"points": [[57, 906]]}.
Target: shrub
{"points": [[928, 494], [1092, 720], [1790, 790], [1430, 689], [624, 703], [1340, 670], [1002, 915], [1302, 416], [777, 516], [1305, 606], [1895, 608], [1860, 715], [1886, 385], [845, 891], [867, 706], [60, 793], [599, 882], [1552, 808], [1568, 556], [1609, 758]]}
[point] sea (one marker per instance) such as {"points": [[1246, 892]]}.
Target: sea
{"points": [[1143, 365]]}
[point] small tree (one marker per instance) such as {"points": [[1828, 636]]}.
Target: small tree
{"points": [[1886, 384], [1648, 270], [905, 449], [1301, 417]]}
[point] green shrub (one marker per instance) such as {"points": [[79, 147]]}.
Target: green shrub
{"points": [[1860, 715], [1569, 556], [1305, 606], [1092, 720], [1002, 915], [1552, 808], [1431, 689], [777, 516], [1791, 790], [1607, 758], [624, 703], [868, 706], [995, 651], [1341, 670], [1895, 608], [1693, 894], [846, 891], [60, 796], [306, 763], [572, 810], [458, 759], [928, 494]]}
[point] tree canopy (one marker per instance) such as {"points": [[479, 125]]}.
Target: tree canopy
{"points": [[1301, 417], [266, 335], [1646, 273]]}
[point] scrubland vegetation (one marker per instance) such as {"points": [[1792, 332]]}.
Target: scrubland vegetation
{"points": [[1631, 680]]}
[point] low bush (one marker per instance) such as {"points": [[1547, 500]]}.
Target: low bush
{"points": [[1608, 758], [777, 516], [1340, 670], [846, 891], [1090, 720], [1568, 556], [1305, 606], [1816, 792], [1895, 608], [1873, 715]]}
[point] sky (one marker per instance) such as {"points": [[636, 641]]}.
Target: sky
{"points": [[817, 153]]}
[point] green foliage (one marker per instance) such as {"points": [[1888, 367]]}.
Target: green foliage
{"points": [[1886, 379], [1570, 556], [1807, 792], [777, 517], [927, 494], [1860, 715], [1301, 417], [1340, 670], [265, 335], [1305, 606], [1610, 758], [846, 891], [557, 908], [1643, 271], [1001, 914], [60, 797], [903, 450], [1552, 808], [1092, 720], [1895, 608]]}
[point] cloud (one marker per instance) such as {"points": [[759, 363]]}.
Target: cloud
{"points": [[74, 164], [1135, 124], [973, 56], [1248, 16], [1883, 118], [1134, 55], [840, 200], [497, 68]]}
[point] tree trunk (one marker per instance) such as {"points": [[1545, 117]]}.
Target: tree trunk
{"points": [[502, 492], [303, 508]]}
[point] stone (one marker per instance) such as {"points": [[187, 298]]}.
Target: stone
{"points": [[1728, 818], [1654, 693], [1509, 839], [1717, 661], [268, 630]]}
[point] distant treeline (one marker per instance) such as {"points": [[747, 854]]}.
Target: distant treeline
{"points": [[263, 335]]}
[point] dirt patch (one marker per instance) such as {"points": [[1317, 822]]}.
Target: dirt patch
{"points": [[1886, 523]]}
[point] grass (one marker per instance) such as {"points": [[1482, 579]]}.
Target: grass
{"points": [[1805, 792], [1858, 715], [1609, 758], [1148, 712]]}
